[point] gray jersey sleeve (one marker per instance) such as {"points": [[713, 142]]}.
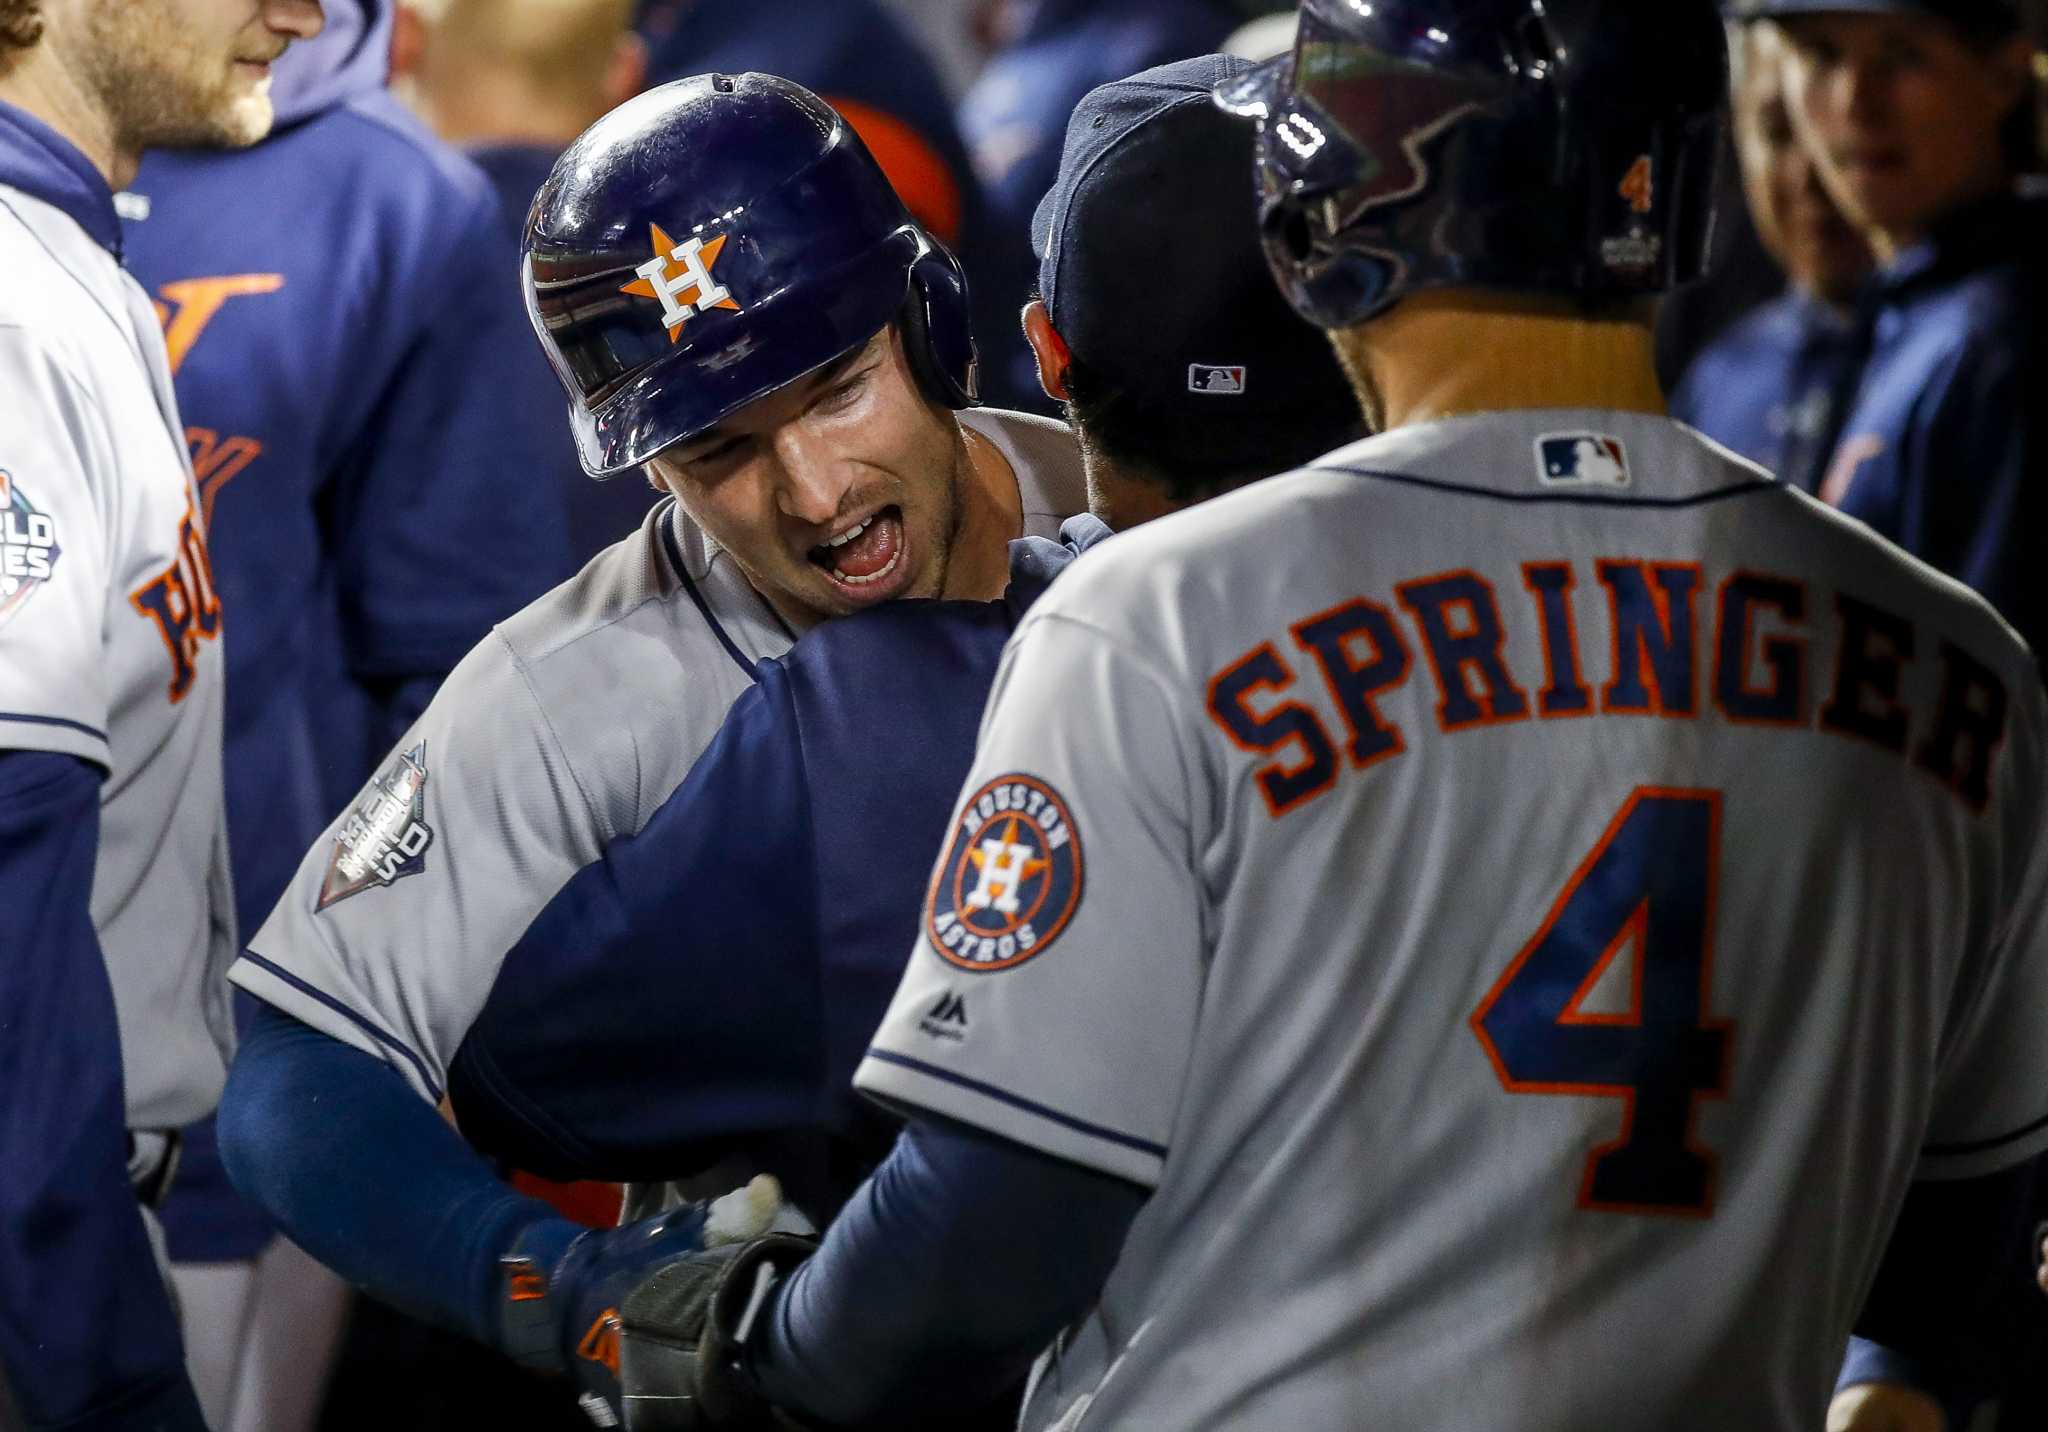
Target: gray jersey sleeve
{"points": [[55, 571], [1991, 1096], [1053, 994], [392, 932]]}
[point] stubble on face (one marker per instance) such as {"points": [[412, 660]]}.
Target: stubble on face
{"points": [[173, 85]]}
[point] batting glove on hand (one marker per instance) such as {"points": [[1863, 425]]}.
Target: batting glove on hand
{"points": [[562, 1286], [683, 1339]]}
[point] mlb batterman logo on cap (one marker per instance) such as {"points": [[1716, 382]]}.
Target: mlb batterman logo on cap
{"points": [[1011, 877]]}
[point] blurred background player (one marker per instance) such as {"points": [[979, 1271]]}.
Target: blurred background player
{"points": [[1775, 385], [1298, 1078], [1920, 115], [112, 837], [766, 872], [511, 83], [345, 336]]}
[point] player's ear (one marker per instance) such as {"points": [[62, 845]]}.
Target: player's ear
{"points": [[1048, 348], [408, 42]]}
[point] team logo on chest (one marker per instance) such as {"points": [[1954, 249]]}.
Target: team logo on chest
{"points": [[385, 838], [28, 547], [1011, 877], [678, 278]]}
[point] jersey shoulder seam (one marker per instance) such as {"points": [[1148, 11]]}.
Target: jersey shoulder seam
{"points": [[547, 719], [57, 261]]}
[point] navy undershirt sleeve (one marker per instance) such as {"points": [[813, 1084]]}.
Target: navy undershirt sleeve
{"points": [[76, 1268], [377, 1186], [952, 1268], [1956, 1281]]}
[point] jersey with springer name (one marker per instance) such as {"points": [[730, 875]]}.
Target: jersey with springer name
{"points": [[563, 732], [1527, 895], [109, 628]]}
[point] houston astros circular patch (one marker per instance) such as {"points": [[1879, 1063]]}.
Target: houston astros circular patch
{"points": [[1010, 879]]}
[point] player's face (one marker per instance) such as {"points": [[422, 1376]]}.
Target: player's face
{"points": [[1903, 114], [1799, 223], [191, 72], [837, 493]]}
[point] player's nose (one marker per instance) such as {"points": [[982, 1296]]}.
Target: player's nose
{"points": [[813, 480], [297, 19]]}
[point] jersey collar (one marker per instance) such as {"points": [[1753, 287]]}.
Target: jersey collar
{"points": [[43, 164]]}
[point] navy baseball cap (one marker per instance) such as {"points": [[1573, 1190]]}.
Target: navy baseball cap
{"points": [[1149, 259], [1976, 14]]}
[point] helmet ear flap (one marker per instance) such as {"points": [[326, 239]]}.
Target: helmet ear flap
{"points": [[937, 334]]}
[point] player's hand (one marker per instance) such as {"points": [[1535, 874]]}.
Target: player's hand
{"points": [[683, 1336], [562, 1286], [1885, 1407]]}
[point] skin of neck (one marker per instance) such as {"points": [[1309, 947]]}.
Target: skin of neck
{"points": [[1889, 241], [991, 516], [42, 82], [1448, 352]]}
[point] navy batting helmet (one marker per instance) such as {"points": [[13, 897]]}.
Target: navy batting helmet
{"points": [[713, 240], [1563, 147]]}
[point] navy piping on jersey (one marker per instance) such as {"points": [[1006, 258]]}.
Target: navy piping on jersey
{"points": [[1004, 1096], [675, 557], [389, 1041], [1977, 1146], [94, 732], [1580, 499]]}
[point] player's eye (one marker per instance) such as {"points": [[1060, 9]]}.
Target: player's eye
{"points": [[843, 394], [707, 460]]}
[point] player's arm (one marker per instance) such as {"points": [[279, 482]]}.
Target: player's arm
{"points": [[1949, 1293], [77, 1275], [952, 1268]]}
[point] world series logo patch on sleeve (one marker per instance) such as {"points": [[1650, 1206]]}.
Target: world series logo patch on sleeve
{"points": [[386, 836], [1011, 877], [28, 548]]}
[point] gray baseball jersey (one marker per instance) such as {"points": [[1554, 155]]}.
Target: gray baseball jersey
{"points": [[109, 639], [1528, 896], [564, 730]]}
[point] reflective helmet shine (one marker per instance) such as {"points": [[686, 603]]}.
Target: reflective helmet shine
{"points": [[713, 240], [1557, 147]]}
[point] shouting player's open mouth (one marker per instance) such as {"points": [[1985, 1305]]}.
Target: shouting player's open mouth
{"points": [[865, 560]]}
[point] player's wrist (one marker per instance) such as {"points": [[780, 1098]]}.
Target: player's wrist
{"points": [[535, 1278]]}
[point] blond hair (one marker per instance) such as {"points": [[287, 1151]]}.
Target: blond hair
{"points": [[557, 47]]}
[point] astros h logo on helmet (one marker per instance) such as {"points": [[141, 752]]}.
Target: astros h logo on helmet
{"points": [[1010, 879], [679, 278]]}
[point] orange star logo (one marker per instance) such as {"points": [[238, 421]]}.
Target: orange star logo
{"points": [[1020, 870], [679, 278]]}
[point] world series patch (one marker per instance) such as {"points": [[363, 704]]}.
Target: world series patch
{"points": [[1011, 877], [28, 547], [385, 838]]}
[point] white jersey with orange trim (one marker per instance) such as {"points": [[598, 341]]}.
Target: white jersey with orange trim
{"points": [[1527, 895], [109, 639]]}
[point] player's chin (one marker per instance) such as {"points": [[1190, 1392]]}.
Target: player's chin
{"points": [[245, 114]]}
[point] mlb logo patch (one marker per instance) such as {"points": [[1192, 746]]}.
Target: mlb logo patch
{"points": [[1222, 381], [1581, 460]]}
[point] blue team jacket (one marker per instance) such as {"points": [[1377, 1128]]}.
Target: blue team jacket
{"points": [[1945, 448], [338, 303], [707, 987], [1773, 388]]}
